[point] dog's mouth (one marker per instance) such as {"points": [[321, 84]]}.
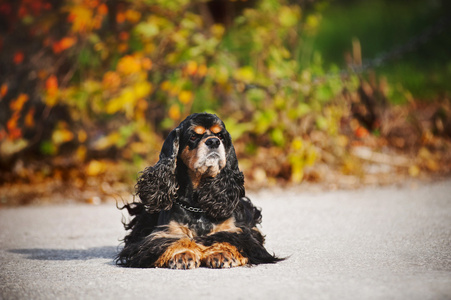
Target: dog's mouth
{"points": [[212, 159], [211, 164]]}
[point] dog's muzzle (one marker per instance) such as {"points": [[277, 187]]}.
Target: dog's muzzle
{"points": [[211, 157]]}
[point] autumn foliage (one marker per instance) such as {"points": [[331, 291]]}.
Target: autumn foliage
{"points": [[85, 81]]}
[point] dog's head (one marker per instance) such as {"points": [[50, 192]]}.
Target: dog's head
{"points": [[198, 151], [203, 144]]}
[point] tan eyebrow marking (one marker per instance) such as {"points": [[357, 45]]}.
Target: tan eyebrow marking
{"points": [[215, 128], [199, 129]]}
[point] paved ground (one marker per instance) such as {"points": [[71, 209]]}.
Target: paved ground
{"points": [[385, 243]]}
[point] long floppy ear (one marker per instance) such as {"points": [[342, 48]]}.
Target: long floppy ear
{"points": [[157, 185], [219, 196], [171, 145]]}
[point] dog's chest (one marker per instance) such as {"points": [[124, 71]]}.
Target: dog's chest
{"points": [[200, 226]]}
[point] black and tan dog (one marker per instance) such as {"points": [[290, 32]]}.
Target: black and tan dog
{"points": [[193, 210]]}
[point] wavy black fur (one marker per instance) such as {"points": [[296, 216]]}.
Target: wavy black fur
{"points": [[157, 186], [220, 197]]}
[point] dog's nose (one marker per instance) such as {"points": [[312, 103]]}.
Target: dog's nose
{"points": [[213, 143]]}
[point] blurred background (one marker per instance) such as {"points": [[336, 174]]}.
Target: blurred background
{"points": [[340, 93]]}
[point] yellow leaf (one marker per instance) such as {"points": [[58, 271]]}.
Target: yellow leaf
{"points": [[165, 85], [9, 147], [125, 102], [288, 16], [81, 153], [414, 171], [82, 136], [142, 89], [114, 105], [217, 30], [51, 100], [132, 16], [245, 74], [95, 168], [62, 135], [81, 18], [107, 141], [221, 75], [297, 144], [297, 173], [432, 165], [185, 97], [174, 112]]}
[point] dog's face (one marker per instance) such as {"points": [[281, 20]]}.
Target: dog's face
{"points": [[204, 143]]}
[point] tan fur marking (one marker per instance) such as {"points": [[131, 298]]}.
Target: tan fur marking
{"points": [[228, 225], [174, 230], [199, 129], [215, 128], [223, 255], [189, 158], [183, 248]]}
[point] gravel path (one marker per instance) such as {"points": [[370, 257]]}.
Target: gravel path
{"points": [[373, 243]]}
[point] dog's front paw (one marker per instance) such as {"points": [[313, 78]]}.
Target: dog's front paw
{"points": [[184, 260], [222, 260]]}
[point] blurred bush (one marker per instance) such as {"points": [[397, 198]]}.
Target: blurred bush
{"points": [[85, 82]]}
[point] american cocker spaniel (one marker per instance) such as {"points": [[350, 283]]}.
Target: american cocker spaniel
{"points": [[193, 210]]}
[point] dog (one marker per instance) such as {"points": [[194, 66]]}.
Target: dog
{"points": [[193, 210]]}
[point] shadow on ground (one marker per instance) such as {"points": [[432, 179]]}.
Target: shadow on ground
{"points": [[68, 254]]}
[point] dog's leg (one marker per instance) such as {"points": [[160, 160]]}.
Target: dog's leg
{"points": [[223, 255], [182, 254]]}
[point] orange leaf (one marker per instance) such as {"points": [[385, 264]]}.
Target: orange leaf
{"points": [[3, 134], [92, 3], [191, 68], [11, 125], [102, 9], [29, 118], [146, 63], [63, 44], [120, 17], [3, 90], [111, 80], [202, 70], [18, 57], [67, 42], [361, 132], [124, 35], [17, 104], [56, 47], [51, 85], [128, 65], [15, 133]]}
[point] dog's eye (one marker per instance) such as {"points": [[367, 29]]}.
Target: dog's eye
{"points": [[194, 137], [220, 136]]}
